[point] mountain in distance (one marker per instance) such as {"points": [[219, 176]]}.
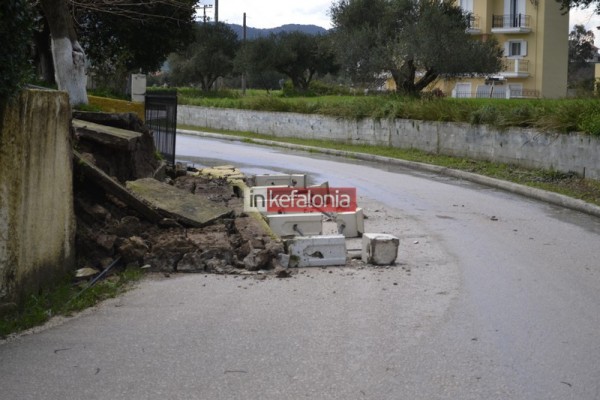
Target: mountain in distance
{"points": [[253, 33]]}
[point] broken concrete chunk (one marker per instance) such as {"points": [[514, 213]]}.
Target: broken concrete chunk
{"points": [[379, 248], [178, 204], [296, 224], [133, 249], [281, 272], [351, 224], [106, 135], [317, 251], [192, 262], [296, 180], [86, 272], [257, 260], [228, 172], [106, 242]]}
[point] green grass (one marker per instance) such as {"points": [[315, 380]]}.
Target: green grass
{"points": [[563, 115], [567, 184], [65, 299]]}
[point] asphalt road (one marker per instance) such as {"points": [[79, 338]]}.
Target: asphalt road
{"points": [[495, 297]]}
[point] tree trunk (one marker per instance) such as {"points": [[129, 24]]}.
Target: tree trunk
{"points": [[405, 79], [427, 78], [43, 55], [69, 57]]}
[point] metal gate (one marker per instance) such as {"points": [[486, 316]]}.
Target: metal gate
{"points": [[161, 118]]}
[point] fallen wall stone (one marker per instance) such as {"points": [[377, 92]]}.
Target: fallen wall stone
{"points": [[37, 224], [574, 152]]}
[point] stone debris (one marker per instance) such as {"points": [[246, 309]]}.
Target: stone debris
{"points": [[194, 220], [281, 272], [86, 272], [379, 248], [233, 243], [190, 222]]}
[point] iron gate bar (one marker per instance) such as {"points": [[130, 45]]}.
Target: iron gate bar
{"points": [[161, 118]]}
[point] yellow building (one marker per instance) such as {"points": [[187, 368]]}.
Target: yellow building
{"points": [[534, 35]]}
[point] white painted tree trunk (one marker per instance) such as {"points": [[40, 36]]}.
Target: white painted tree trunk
{"points": [[69, 57], [69, 66]]}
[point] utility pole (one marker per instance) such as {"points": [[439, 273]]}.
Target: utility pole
{"points": [[205, 6], [216, 11], [244, 73]]}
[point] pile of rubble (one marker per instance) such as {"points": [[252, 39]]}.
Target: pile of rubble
{"points": [[316, 235], [130, 210], [113, 222]]}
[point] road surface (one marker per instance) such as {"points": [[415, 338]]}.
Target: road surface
{"points": [[495, 297]]}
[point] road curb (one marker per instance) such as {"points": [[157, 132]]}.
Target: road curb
{"points": [[527, 191]]}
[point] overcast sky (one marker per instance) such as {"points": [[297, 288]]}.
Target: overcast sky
{"points": [[274, 13]]}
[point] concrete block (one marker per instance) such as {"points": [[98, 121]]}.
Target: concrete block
{"points": [[255, 198], [296, 180], [379, 248], [296, 224], [317, 251], [351, 224]]}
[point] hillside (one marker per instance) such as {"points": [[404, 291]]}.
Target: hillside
{"points": [[252, 33]]}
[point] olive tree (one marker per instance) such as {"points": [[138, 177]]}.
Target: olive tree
{"points": [[417, 41]]}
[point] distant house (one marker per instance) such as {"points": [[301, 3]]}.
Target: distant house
{"points": [[534, 36]]}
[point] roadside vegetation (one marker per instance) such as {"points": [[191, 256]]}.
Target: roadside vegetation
{"points": [[65, 299], [562, 115]]}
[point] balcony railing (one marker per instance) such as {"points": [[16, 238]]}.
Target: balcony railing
{"points": [[515, 67], [516, 22], [473, 23]]}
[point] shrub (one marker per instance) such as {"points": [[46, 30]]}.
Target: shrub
{"points": [[487, 114], [590, 123], [16, 27]]}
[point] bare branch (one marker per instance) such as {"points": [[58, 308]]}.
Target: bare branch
{"points": [[136, 10]]}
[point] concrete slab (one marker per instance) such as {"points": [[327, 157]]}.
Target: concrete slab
{"points": [[317, 251], [106, 135], [87, 170], [178, 204], [296, 224]]}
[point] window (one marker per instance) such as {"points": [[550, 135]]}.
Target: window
{"points": [[514, 7], [466, 5], [515, 48], [462, 90], [514, 11], [516, 89]]}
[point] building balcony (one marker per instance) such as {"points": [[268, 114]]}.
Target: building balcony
{"points": [[473, 25], [515, 68], [507, 24]]}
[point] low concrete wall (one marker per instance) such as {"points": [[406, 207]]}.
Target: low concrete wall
{"points": [[525, 147], [37, 223]]}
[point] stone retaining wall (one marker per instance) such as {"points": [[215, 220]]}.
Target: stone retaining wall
{"points": [[37, 224], [525, 147]]}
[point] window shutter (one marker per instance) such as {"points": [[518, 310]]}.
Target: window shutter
{"points": [[523, 47], [507, 49]]}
